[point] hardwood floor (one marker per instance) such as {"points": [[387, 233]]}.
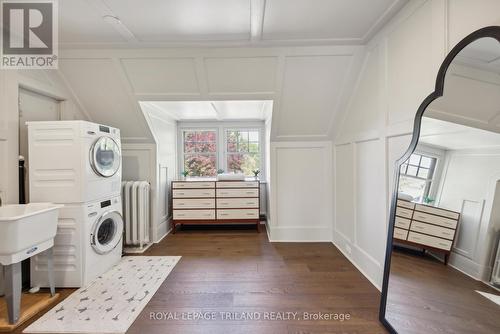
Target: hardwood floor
{"points": [[239, 270], [424, 296]]}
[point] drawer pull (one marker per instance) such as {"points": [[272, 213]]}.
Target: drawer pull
{"points": [[249, 203], [181, 215], [249, 192], [442, 244], [249, 214], [179, 204]]}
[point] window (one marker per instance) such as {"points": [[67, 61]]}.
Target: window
{"points": [[200, 152], [205, 148], [416, 177], [242, 151]]}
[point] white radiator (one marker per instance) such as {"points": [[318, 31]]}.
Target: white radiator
{"points": [[495, 275], [136, 214]]}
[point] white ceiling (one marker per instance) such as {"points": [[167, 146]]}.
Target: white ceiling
{"points": [[483, 54], [109, 23], [210, 110], [452, 136]]}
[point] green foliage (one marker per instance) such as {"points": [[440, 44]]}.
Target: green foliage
{"points": [[256, 172]]}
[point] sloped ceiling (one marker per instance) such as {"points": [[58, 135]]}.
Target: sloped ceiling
{"points": [[114, 54], [308, 85]]}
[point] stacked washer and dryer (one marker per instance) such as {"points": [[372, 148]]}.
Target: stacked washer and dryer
{"points": [[78, 164]]}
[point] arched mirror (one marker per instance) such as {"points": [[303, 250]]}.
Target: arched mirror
{"points": [[442, 269]]}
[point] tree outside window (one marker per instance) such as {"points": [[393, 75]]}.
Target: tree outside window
{"points": [[242, 151], [200, 152]]}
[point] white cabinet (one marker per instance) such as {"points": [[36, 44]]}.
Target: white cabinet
{"points": [[425, 226], [216, 202]]}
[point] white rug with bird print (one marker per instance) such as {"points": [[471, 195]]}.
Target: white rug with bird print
{"points": [[111, 302]]}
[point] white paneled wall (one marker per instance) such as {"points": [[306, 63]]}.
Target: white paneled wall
{"points": [[308, 85], [301, 193], [399, 71], [468, 186]]}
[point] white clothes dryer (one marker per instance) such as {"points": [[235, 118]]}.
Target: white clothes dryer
{"points": [[73, 161]]}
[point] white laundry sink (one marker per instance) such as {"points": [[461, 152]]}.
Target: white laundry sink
{"points": [[26, 230]]}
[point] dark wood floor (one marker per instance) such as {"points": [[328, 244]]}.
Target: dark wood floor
{"points": [[241, 271], [424, 296]]}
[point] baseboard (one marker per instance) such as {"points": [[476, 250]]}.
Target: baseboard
{"points": [[163, 230], [372, 270]]}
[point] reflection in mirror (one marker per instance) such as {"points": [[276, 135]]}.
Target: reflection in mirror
{"points": [[445, 272]]}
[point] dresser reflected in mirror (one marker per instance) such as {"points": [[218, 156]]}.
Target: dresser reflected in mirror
{"points": [[444, 272]]}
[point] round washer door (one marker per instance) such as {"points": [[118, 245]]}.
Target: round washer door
{"points": [[105, 157], [107, 232]]}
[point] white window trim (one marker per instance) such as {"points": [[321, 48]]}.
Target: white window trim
{"points": [[220, 128]]}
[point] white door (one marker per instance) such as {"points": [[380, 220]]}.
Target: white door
{"points": [[33, 107]]}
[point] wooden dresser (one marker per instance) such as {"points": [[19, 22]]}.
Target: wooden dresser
{"points": [[425, 227], [216, 202]]}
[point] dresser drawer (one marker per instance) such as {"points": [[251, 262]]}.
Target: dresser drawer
{"points": [[437, 211], [429, 241], [237, 184], [193, 184], [402, 223], [194, 214], [194, 193], [238, 214], [193, 203], [239, 203], [400, 234], [434, 230], [406, 204], [404, 213], [437, 220], [252, 192]]}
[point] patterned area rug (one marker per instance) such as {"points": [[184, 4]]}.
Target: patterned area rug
{"points": [[111, 303]]}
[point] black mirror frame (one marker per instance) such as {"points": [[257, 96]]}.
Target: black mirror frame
{"points": [[491, 31]]}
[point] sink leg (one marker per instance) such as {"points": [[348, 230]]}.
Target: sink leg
{"points": [[50, 270], [13, 290]]}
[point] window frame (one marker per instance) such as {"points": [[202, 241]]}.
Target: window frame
{"points": [[432, 184], [221, 128], [183, 152], [226, 153]]}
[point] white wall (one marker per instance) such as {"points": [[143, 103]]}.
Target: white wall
{"points": [[158, 163], [301, 195], [398, 72], [44, 82], [468, 186]]}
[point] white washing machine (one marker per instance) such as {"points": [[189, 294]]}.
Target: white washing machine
{"points": [[73, 161], [87, 244]]}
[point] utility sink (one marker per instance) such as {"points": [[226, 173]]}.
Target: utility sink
{"points": [[26, 230]]}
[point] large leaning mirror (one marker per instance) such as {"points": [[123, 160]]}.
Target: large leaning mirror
{"points": [[442, 269]]}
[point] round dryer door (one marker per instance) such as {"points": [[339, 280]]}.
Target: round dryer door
{"points": [[107, 232], [105, 157]]}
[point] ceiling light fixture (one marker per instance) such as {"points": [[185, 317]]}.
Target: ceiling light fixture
{"points": [[119, 27]]}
